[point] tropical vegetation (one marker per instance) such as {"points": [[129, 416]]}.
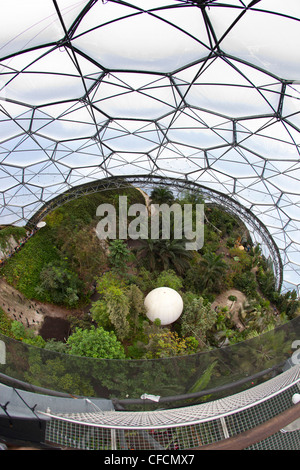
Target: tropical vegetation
{"points": [[65, 264]]}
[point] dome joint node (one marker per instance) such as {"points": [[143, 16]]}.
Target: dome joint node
{"points": [[62, 43]]}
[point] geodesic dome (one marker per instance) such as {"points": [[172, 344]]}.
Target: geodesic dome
{"points": [[204, 90]]}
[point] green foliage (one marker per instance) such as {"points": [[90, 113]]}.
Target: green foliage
{"points": [[56, 346], [148, 254], [246, 282], [100, 314], [68, 237], [18, 330], [26, 335], [232, 298], [241, 257], [193, 280], [169, 278], [119, 255], [17, 233], [256, 315], [78, 212], [160, 254], [266, 282], [223, 329], [117, 306], [191, 197], [221, 219], [51, 266], [52, 373], [268, 347], [174, 255], [23, 269], [120, 306], [213, 270], [84, 252], [197, 317], [288, 303], [144, 279], [109, 280], [95, 342], [202, 382], [166, 343], [256, 255], [136, 306], [58, 284], [112, 310], [5, 324], [84, 321], [162, 195]]}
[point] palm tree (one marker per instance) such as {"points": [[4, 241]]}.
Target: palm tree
{"points": [[173, 254], [213, 269], [149, 249], [165, 254], [161, 194]]}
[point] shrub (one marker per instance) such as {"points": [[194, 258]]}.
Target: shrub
{"points": [[58, 284], [266, 282], [166, 343], [109, 280], [232, 298], [242, 257], [193, 279], [5, 324], [246, 282], [119, 255], [26, 335], [95, 342], [197, 317], [144, 279], [168, 278]]}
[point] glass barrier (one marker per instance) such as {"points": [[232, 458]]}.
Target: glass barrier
{"points": [[178, 381]]}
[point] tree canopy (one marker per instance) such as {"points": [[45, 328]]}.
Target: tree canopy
{"points": [[95, 342]]}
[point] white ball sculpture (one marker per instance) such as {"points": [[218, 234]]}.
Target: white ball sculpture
{"points": [[165, 304]]}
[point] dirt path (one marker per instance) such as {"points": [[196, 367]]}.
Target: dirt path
{"points": [[29, 312], [223, 301], [147, 200]]}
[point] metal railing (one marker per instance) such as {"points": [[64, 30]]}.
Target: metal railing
{"points": [[255, 413]]}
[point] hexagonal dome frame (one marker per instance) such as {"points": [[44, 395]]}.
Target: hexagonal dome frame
{"points": [[202, 91]]}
